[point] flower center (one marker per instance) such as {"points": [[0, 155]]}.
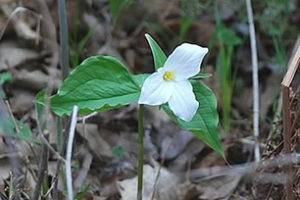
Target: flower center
{"points": [[168, 75]]}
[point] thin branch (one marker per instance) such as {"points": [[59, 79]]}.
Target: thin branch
{"points": [[59, 157], [42, 171], [245, 169], [51, 187], [255, 81], [84, 118], [69, 153], [12, 117], [159, 169], [86, 164]]}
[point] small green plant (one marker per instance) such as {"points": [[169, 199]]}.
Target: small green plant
{"points": [[9, 124], [101, 83], [77, 48], [117, 151], [273, 21], [187, 18], [116, 6], [4, 78], [82, 191], [227, 39], [189, 11]]}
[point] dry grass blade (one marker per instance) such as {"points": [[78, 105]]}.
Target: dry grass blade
{"points": [[14, 161], [13, 14], [69, 153], [255, 80]]}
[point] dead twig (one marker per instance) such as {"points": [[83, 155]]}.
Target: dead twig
{"points": [[88, 156], [245, 169], [159, 169], [12, 117], [87, 161], [42, 171]]}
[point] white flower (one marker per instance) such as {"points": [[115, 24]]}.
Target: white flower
{"points": [[170, 83]]}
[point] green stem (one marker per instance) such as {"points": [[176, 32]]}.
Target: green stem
{"points": [[64, 39], [141, 153]]}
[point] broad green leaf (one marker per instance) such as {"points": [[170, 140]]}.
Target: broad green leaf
{"points": [[158, 55], [98, 83], [205, 122]]}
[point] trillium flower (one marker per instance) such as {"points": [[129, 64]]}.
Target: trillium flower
{"points": [[170, 83]]}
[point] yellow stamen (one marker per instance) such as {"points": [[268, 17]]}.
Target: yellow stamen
{"points": [[168, 75]]}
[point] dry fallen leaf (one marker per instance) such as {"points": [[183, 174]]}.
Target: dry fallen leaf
{"points": [[96, 143], [13, 55], [219, 187], [166, 180]]}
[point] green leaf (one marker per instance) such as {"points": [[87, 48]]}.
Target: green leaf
{"points": [[205, 122], [40, 108], [117, 151], [82, 191], [158, 55], [227, 36], [224, 34], [185, 24], [5, 77], [22, 131], [98, 83], [140, 78], [116, 6], [201, 75]]}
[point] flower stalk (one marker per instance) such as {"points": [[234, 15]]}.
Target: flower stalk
{"points": [[141, 153]]}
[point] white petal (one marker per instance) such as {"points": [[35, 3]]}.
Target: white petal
{"points": [[183, 102], [185, 60], [156, 91]]}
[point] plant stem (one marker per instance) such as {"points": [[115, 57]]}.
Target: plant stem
{"points": [[64, 39], [254, 80], [141, 153]]}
